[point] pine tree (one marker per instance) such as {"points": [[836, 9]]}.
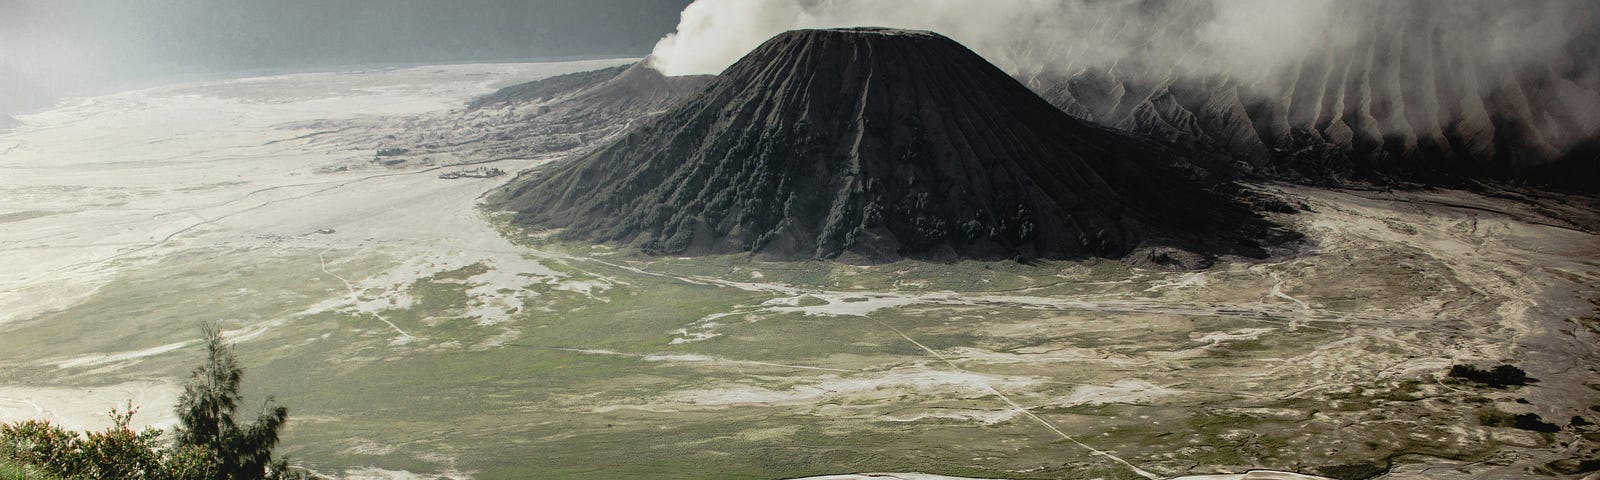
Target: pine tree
{"points": [[207, 413]]}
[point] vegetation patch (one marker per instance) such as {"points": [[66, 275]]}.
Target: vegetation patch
{"points": [[208, 445], [1498, 377], [463, 273], [1352, 471], [1524, 421], [809, 301], [12, 470]]}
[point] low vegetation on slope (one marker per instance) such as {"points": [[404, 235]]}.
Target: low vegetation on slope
{"points": [[208, 445]]}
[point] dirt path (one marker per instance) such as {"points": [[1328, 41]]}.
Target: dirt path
{"points": [[1020, 409], [355, 298]]}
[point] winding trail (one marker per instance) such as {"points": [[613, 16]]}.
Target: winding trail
{"points": [[1277, 291], [355, 297], [1021, 410]]}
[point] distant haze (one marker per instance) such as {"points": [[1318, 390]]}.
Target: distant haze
{"points": [[53, 47]]}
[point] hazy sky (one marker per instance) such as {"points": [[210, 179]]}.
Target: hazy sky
{"points": [[84, 46], [65, 46]]}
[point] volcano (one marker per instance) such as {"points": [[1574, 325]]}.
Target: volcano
{"points": [[878, 144]]}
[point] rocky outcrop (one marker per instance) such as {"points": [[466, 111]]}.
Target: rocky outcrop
{"points": [[875, 144]]}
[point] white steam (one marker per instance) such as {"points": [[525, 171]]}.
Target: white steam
{"points": [[712, 34], [1406, 69], [1246, 39]]}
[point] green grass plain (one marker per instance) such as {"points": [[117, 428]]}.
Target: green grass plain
{"points": [[593, 386]]}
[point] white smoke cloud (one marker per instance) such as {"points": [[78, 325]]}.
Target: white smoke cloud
{"points": [[1421, 65], [1252, 34], [1240, 38], [712, 34]]}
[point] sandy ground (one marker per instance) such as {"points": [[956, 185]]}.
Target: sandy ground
{"points": [[89, 408], [99, 185], [1475, 280]]}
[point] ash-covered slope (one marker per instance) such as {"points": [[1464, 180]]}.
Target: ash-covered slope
{"points": [[588, 100], [1403, 103], [570, 111], [8, 123], [877, 144], [545, 89], [558, 114]]}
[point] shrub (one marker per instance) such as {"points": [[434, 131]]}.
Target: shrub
{"points": [[207, 411], [40, 444], [210, 444], [12, 470], [1531, 421], [1498, 377], [116, 453], [1523, 421]]}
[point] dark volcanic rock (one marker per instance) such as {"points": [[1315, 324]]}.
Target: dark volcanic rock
{"points": [[878, 144]]}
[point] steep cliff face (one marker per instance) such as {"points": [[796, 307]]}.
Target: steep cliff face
{"points": [[1400, 104], [877, 144]]}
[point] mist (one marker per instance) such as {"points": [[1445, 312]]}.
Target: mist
{"points": [[50, 48]]}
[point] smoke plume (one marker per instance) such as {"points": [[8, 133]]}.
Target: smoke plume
{"points": [[1436, 72], [1254, 38]]}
